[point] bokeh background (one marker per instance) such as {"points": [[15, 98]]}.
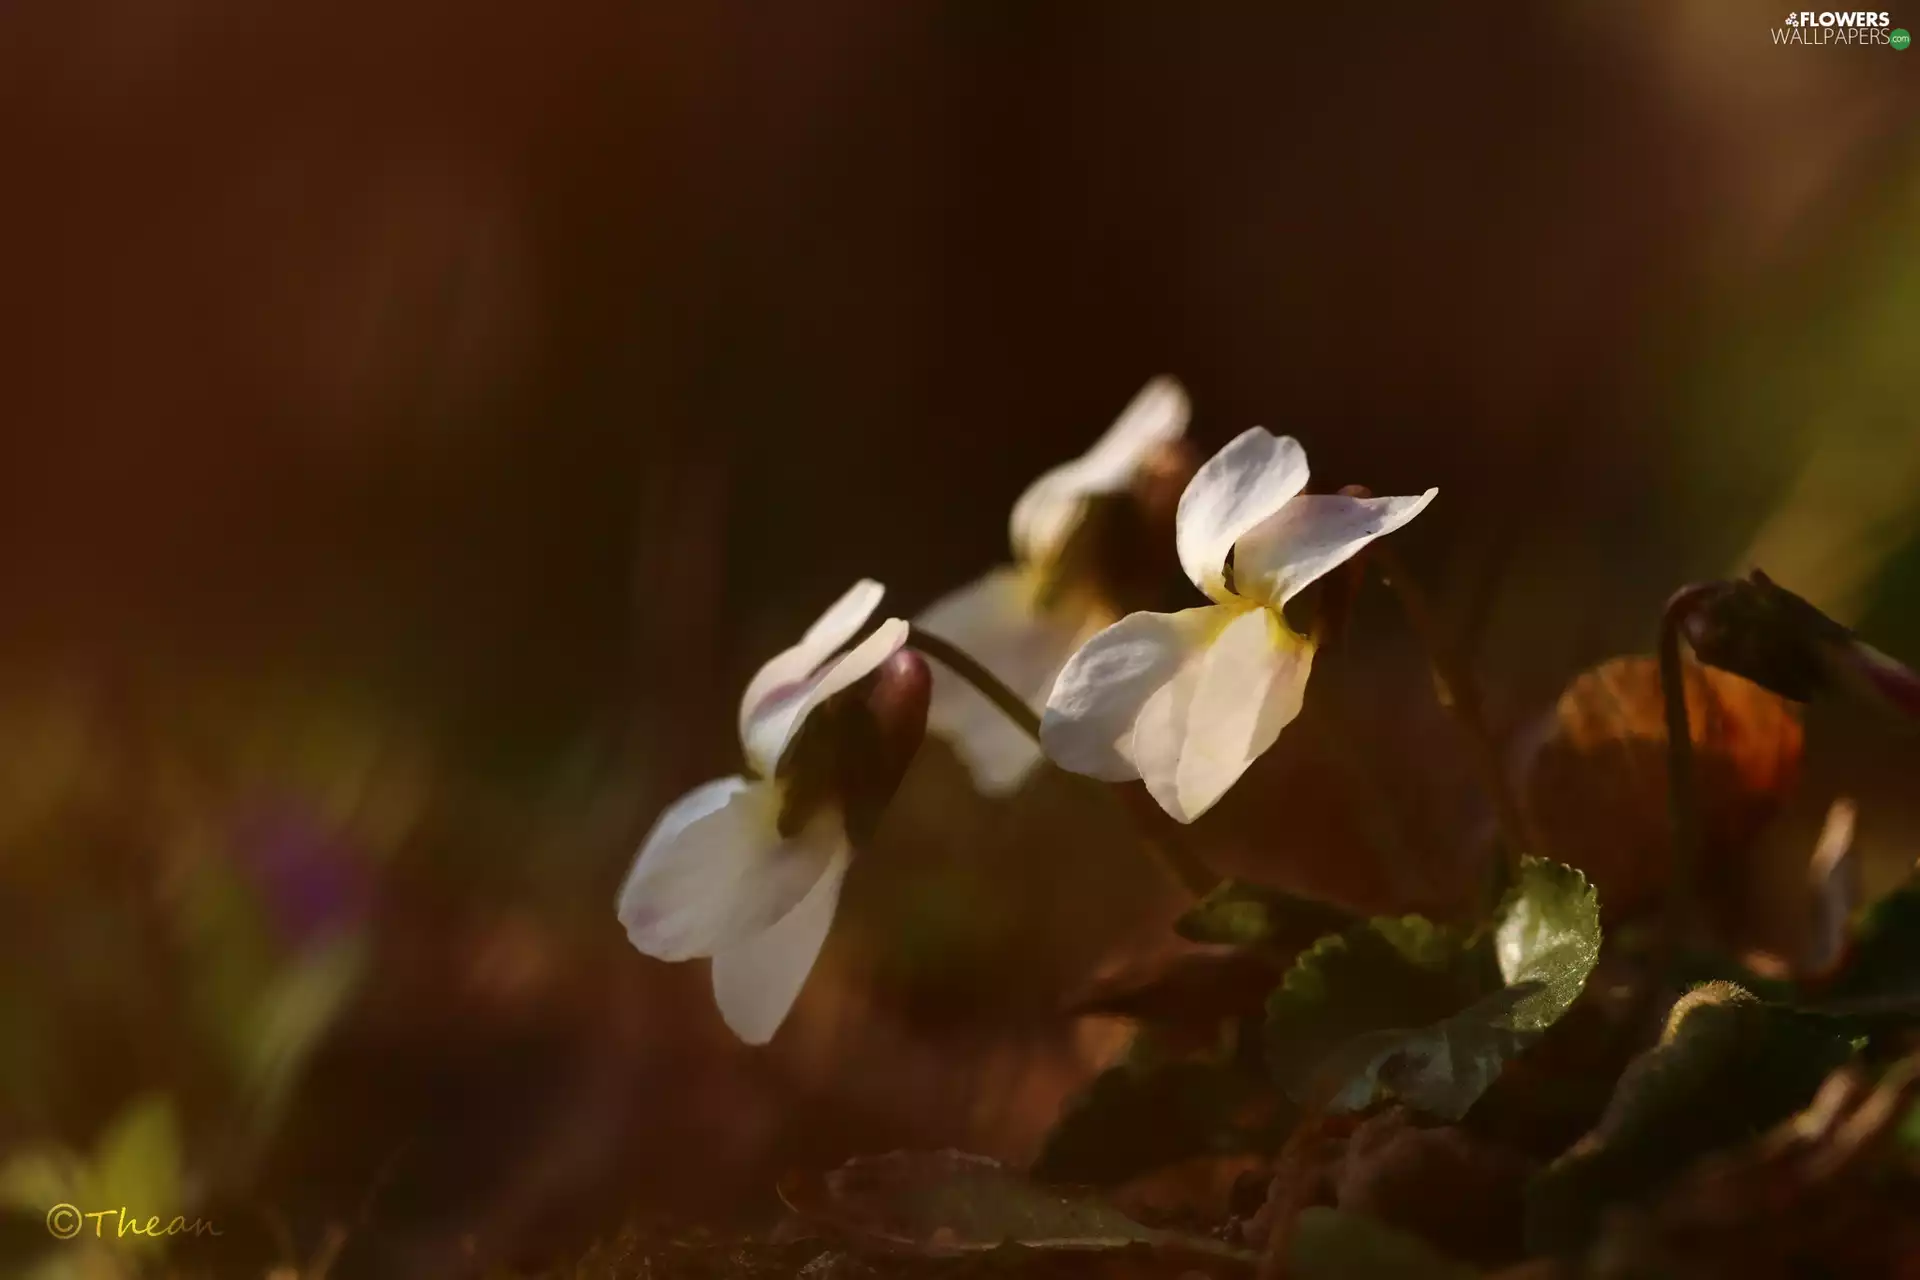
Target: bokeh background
{"points": [[421, 418]]}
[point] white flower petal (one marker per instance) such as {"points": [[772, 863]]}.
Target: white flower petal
{"points": [[756, 982], [1088, 726], [1233, 491], [1311, 535], [1047, 512], [773, 696], [1200, 731], [995, 620], [715, 870], [852, 666]]}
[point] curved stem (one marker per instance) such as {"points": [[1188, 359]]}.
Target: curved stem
{"points": [[1174, 857], [969, 668], [1683, 816], [1683, 796], [1458, 692]]}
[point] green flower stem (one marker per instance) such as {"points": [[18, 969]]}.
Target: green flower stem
{"points": [[1683, 795], [1459, 693], [1174, 857], [969, 668]]}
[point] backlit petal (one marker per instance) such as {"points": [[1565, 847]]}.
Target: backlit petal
{"points": [[1233, 491], [756, 982], [849, 669], [1200, 731], [995, 620], [1047, 512], [1311, 535], [776, 690], [715, 870], [1088, 726]]}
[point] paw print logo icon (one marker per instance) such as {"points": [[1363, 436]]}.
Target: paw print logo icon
{"points": [[1793, 19]]}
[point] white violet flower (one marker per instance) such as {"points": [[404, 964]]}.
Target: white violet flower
{"points": [[1186, 701], [1022, 621], [748, 870]]}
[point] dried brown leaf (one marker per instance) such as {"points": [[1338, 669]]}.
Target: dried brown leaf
{"points": [[1595, 789]]}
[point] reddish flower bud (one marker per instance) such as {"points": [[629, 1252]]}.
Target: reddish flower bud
{"points": [[1864, 671], [895, 710], [1758, 629], [854, 749]]}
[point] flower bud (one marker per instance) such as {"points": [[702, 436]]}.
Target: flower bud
{"points": [[854, 749], [894, 721], [1758, 629], [1864, 671]]}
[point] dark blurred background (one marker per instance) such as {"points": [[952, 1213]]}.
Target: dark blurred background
{"points": [[420, 420]]}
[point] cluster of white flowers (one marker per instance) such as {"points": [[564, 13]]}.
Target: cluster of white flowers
{"points": [[748, 870]]}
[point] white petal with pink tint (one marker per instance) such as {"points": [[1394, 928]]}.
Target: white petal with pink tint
{"points": [[769, 708], [1089, 723], [756, 981], [715, 869]]}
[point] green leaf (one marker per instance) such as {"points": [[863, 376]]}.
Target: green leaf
{"points": [[138, 1164], [1331, 1244], [40, 1177], [1149, 1110], [1727, 1067], [1548, 937], [1406, 1009], [293, 1013], [1885, 958], [947, 1203], [1250, 915]]}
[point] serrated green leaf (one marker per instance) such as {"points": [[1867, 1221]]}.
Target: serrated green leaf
{"points": [[1241, 914], [1407, 1009], [1332, 1244], [1547, 937]]}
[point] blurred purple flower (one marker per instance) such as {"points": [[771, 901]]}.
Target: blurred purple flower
{"points": [[312, 877]]}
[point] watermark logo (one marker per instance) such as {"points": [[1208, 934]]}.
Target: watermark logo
{"points": [[1850, 27], [67, 1222]]}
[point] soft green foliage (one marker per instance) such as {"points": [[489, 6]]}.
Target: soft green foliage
{"points": [[1403, 1008], [1149, 1110], [297, 1007], [1547, 937], [1329, 1244], [138, 1162], [1248, 915], [1727, 1066], [1886, 949]]}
